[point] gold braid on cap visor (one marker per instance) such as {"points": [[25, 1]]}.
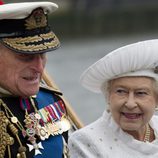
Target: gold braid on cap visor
{"points": [[32, 43]]}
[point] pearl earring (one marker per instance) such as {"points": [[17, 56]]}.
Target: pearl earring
{"points": [[108, 110], [156, 108]]}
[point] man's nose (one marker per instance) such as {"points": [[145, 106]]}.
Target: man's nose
{"points": [[131, 102], [39, 62]]}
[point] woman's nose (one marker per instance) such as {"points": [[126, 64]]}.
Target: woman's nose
{"points": [[131, 102]]}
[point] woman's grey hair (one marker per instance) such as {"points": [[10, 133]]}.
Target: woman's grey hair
{"points": [[105, 88], [156, 87]]}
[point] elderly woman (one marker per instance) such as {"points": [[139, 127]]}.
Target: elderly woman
{"points": [[128, 78]]}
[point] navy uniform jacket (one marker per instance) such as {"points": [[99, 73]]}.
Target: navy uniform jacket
{"points": [[53, 146]]}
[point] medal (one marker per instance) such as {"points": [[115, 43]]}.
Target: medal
{"points": [[36, 147], [42, 133], [31, 123], [14, 119], [65, 124], [53, 128]]}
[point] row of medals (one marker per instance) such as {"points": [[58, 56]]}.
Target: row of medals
{"points": [[33, 125]]}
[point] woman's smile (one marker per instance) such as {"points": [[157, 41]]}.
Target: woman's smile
{"points": [[132, 116]]}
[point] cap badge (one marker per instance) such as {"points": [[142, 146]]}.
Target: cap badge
{"points": [[36, 20]]}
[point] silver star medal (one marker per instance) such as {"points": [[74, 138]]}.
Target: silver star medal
{"points": [[36, 147]]}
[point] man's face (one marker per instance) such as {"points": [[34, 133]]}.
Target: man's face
{"points": [[21, 73]]}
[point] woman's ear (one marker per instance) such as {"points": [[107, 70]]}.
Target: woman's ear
{"points": [[156, 106]]}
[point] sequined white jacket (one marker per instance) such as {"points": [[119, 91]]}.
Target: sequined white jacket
{"points": [[104, 139]]}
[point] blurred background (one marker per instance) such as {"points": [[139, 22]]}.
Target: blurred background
{"points": [[89, 29]]}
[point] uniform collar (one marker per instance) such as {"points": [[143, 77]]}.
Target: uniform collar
{"points": [[4, 92]]}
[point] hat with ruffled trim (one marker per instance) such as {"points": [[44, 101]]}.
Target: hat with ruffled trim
{"points": [[24, 27], [138, 59]]}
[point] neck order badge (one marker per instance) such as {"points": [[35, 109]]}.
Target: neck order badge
{"points": [[1, 2]]}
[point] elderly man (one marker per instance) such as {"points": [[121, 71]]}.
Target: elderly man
{"points": [[33, 120]]}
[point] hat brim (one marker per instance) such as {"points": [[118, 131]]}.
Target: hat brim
{"points": [[32, 44], [138, 59]]}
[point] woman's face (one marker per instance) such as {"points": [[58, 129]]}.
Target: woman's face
{"points": [[132, 101]]}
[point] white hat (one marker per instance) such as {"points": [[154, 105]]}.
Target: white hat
{"points": [[24, 9], [138, 59], [24, 27]]}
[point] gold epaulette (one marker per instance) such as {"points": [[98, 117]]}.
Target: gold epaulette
{"points": [[48, 88]]}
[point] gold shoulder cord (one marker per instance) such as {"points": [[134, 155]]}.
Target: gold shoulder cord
{"points": [[7, 119]]}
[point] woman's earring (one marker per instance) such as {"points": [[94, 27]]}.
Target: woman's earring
{"points": [[108, 110], [156, 108]]}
